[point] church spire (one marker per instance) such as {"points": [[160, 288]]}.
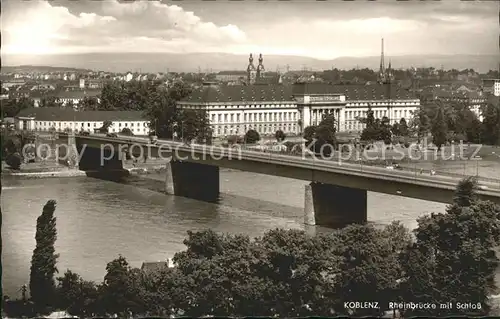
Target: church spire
{"points": [[382, 62], [382, 75], [251, 71], [250, 63], [260, 67]]}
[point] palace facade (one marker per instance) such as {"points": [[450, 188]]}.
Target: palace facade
{"points": [[233, 110]]}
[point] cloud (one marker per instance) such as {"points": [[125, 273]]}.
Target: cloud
{"points": [[323, 30], [355, 29], [137, 26]]}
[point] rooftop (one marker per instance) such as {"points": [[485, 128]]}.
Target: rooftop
{"points": [[279, 92], [237, 93], [57, 114], [78, 94]]}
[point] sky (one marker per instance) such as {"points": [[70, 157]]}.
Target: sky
{"points": [[318, 29]]}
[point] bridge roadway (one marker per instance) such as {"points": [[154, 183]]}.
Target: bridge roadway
{"points": [[437, 188]]}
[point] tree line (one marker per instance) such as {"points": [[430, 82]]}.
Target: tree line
{"points": [[450, 121], [449, 257], [156, 101], [445, 121]]}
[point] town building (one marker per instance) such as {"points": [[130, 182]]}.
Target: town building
{"points": [[128, 77], [492, 86], [52, 118], [67, 96], [76, 97], [231, 76]]}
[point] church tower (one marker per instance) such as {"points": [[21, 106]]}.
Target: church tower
{"points": [[251, 71], [389, 75], [381, 72], [260, 67]]}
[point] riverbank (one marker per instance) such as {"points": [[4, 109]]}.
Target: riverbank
{"points": [[43, 169], [53, 174]]}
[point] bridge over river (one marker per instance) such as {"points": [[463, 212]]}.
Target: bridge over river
{"points": [[336, 195]]}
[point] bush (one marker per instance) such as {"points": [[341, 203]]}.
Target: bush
{"points": [[252, 136], [280, 135], [232, 139], [127, 131], [14, 161]]}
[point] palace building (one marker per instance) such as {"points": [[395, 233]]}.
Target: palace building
{"points": [[266, 108], [291, 108]]}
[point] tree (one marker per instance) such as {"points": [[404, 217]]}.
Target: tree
{"points": [[325, 136], [252, 136], [162, 111], [309, 133], [89, 103], [127, 131], [105, 126], [194, 124], [14, 161], [69, 105], [50, 101], [369, 120], [403, 127], [453, 258], [280, 135], [43, 262], [296, 274], [112, 95], [491, 124], [376, 129], [439, 129], [369, 268], [395, 129], [76, 295], [232, 139], [420, 123], [117, 292], [384, 129], [11, 107]]}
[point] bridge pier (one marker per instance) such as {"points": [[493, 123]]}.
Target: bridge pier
{"points": [[334, 206], [192, 180], [106, 163]]}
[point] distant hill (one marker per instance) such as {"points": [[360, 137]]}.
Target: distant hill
{"points": [[191, 62], [39, 68]]}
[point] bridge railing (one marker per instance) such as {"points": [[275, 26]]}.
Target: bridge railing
{"points": [[470, 165], [403, 167]]}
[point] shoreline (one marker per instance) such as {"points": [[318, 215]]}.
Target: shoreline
{"points": [[49, 174]]}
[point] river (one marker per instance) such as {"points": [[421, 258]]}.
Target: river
{"points": [[98, 220]]}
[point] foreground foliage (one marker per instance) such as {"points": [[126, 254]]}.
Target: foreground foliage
{"points": [[43, 263], [287, 273]]}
